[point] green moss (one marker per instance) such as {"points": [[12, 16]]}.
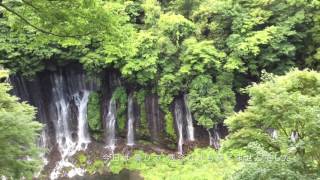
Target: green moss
{"points": [[97, 166], [170, 125], [140, 97], [94, 113], [90, 164], [81, 160], [120, 95]]}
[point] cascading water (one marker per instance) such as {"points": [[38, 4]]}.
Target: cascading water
{"points": [[210, 138], [273, 133], [215, 138], [42, 142], [294, 136], [110, 125], [61, 99], [131, 120], [63, 133], [83, 132], [179, 122], [66, 143], [190, 128]]}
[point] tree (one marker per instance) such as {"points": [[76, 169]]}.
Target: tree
{"points": [[26, 50], [211, 102], [261, 164], [262, 34], [71, 18], [18, 135], [287, 105]]}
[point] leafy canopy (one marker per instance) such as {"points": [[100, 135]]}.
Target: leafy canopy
{"points": [[18, 135], [287, 104]]}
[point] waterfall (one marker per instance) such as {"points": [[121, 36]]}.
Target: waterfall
{"points": [[42, 142], [61, 99], [214, 139], [294, 136], [83, 132], [130, 135], [179, 122], [210, 137], [273, 133], [63, 134], [66, 144], [110, 125], [190, 129]]}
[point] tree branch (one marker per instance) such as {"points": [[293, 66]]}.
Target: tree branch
{"points": [[37, 28]]}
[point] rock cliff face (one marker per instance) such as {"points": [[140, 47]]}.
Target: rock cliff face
{"points": [[61, 95]]}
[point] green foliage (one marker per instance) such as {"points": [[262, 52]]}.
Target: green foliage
{"points": [[143, 38], [81, 160], [184, 7], [175, 27], [152, 11], [287, 104], [120, 95], [206, 49], [18, 134], [269, 165], [96, 166], [91, 166], [143, 129], [63, 18], [204, 163], [169, 86], [113, 50], [169, 127], [260, 34], [94, 112], [143, 66], [211, 102], [26, 50], [199, 57]]}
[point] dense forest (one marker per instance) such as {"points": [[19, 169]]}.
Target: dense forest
{"points": [[160, 89]]}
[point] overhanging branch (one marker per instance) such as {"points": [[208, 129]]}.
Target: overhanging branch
{"points": [[37, 28]]}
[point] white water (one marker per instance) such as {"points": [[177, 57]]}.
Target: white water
{"points": [[215, 139], [63, 134], [83, 132], [210, 138], [42, 143], [110, 125], [179, 122], [130, 135], [190, 128], [63, 164], [66, 145], [274, 134], [294, 136]]}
